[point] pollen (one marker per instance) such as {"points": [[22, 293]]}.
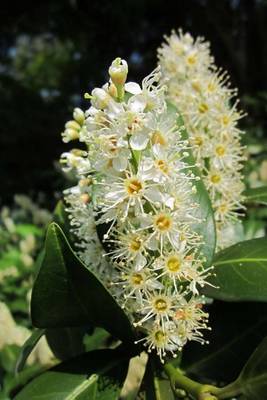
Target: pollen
{"points": [[215, 179], [158, 138], [173, 264], [192, 59], [198, 141], [163, 222], [137, 279], [135, 244], [162, 166], [160, 336], [203, 108], [133, 186], [220, 150], [160, 305]]}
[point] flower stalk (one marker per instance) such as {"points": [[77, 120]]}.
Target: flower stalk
{"points": [[199, 391]]}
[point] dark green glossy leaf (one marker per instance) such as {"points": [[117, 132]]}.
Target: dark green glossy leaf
{"points": [[256, 195], [67, 294], [237, 328], [95, 375], [206, 228], [66, 342], [155, 387], [28, 347], [241, 272], [253, 378], [99, 339]]}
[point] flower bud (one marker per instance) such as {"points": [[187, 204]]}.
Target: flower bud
{"points": [[73, 125], [70, 134], [78, 115], [100, 98], [118, 71]]}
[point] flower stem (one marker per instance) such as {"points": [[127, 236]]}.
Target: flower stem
{"points": [[197, 390]]}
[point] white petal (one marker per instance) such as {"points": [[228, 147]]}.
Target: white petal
{"points": [[137, 103], [119, 163], [153, 195], [133, 88], [140, 262], [139, 141]]}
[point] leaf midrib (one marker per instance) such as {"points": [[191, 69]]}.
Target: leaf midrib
{"points": [[240, 260]]}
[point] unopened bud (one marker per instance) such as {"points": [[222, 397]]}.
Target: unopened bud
{"points": [[85, 182], [70, 134], [78, 115], [113, 90], [73, 125], [100, 98], [118, 71], [85, 198]]}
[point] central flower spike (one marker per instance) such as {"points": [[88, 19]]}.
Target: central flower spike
{"points": [[133, 173]]}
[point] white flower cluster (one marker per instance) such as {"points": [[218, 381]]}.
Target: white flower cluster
{"points": [[135, 184], [202, 95]]}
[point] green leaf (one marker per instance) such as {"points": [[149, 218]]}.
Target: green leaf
{"points": [[99, 339], [236, 330], [205, 228], [25, 230], [8, 356], [67, 294], [241, 272], [66, 342], [256, 195], [28, 347], [95, 375], [156, 387], [13, 383], [253, 378]]}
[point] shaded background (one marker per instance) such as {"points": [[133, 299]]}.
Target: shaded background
{"points": [[52, 52]]}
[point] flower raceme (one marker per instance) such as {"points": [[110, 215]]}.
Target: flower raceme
{"points": [[134, 183], [201, 93]]}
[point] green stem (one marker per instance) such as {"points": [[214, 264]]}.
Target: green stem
{"points": [[198, 390]]}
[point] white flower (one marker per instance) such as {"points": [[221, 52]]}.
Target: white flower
{"points": [[135, 185], [202, 94]]}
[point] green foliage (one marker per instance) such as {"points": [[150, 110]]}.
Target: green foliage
{"points": [[241, 272], [95, 375], [206, 226], [27, 348], [253, 378], [256, 195], [81, 299]]}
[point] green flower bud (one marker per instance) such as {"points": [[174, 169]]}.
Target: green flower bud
{"points": [[78, 115], [118, 71]]}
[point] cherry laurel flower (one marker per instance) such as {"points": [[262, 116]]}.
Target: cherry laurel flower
{"points": [[135, 187], [202, 94]]}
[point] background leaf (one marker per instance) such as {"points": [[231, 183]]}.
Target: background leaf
{"points": [[253, 378], [28, 347], [206, 228], [256, 195], [95, 375], [241, 272], [67, 294], [66, 342], [237, 328]]}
